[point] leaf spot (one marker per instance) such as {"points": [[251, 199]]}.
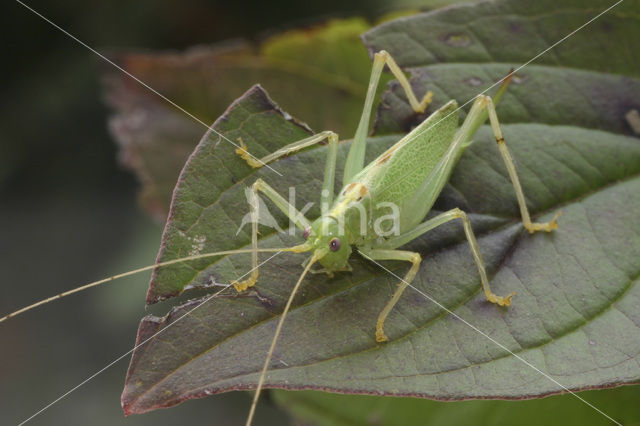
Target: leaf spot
{"points": [[456, 39], [473, 81]]}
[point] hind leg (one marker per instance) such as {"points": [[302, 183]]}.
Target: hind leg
{"points": [[486, 102], [355, 159]]}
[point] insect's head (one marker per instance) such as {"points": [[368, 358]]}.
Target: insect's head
{"points": [[329, 241]]}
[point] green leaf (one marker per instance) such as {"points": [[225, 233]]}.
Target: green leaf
{"points": [[588, 80], [516, 31], [575, 315], [210, 188], [539, 94], [326, 409], [320, 72]]}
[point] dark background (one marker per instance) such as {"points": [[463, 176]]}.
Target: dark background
{"points": [[68, 211]]}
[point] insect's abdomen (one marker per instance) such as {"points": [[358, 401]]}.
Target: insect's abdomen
{"points": [[400, 174]]}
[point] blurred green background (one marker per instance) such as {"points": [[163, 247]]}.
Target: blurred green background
{"points": [[69, 215]]}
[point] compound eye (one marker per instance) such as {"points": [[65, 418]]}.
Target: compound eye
{"points": [[305, 233], [334, 244]]}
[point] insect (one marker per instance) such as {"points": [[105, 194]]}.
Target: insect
{"points": [[408, 176], [381, 206]]}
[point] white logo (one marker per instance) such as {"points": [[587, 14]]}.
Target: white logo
{"points": [[264, 216], [384, 223]]}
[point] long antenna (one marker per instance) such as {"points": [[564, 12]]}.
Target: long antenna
{"points": [[256, 396], [145, 268]]}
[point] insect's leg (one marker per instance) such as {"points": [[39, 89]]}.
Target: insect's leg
{"points": [[330, 168], [330, 272], [292, 213], [382, 254], [285, 150], [355, 159], [471, 238], [513, 175], [326, 197], [418, 107]]}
